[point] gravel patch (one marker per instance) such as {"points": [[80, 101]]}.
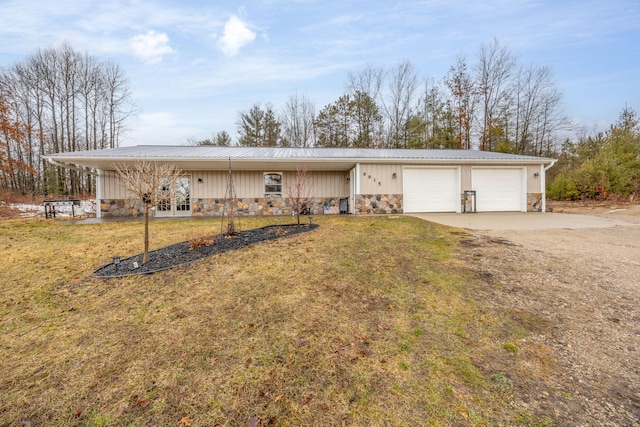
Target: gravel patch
{"points": [[581, 288]]}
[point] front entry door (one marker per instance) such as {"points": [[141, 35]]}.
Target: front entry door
{"points": [[178, 202]]}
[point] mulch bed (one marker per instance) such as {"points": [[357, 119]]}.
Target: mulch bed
{"points": [[197, 249]]}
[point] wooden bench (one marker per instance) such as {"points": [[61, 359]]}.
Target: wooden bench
{"points": [[50, 207]]}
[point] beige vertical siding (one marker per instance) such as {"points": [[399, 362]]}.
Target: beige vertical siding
{"points": [[323, 184], [378, 179], [465, 177], [111, 187], [214, 184], [534, 183], [250, 184]]}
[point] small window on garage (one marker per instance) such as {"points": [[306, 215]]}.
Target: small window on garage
{"points": [[273, 184]]}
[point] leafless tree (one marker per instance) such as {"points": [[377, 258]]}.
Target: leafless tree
{"points": [[150, 182], [68, 101], [463, 95], [297, 121], [368, 81], [536, 116], [299, 191], [399, 101], [494, 75]]}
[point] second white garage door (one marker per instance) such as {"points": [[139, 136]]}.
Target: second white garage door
{"points": [[431, 189], [498, 189]]}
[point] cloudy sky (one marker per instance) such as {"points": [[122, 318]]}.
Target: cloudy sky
{"points": [[193, 65]]}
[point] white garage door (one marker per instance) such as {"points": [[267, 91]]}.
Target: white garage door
{"points": [[431, 190], [497, 189]]}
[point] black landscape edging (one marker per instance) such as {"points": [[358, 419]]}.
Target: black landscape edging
{"points": [[180, 253]]}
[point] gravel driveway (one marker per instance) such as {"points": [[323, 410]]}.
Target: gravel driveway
{"points": [[578, 273]]}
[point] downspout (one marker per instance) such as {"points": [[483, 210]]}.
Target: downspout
{"points": [[543, 183]]}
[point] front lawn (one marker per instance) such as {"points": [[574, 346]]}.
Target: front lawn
{"points": [[364, 321]]}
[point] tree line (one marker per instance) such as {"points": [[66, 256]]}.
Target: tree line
{"points": [[58, 100], [494, 104], [600, 165]]}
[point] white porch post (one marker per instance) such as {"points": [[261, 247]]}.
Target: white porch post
{"points": [[98, 193], [543, 187]]}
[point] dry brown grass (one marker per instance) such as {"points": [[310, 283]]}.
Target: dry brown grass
{"points": [[365, 321]]}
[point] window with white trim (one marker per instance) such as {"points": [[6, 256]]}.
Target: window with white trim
{"points": [[272, 184]]}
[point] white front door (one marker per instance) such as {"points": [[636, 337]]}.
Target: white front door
{"points": [[178, 199]]}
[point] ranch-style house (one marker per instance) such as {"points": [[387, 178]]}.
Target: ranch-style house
{"points": [[341, 180]]}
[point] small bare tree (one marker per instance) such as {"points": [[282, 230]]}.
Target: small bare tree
{"points": [[299, 192], [150, 182]]}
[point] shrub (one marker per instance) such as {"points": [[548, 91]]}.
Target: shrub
{"points": [[563, 187]]}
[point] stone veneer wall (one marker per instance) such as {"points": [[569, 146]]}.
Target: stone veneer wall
{"points": [[214, 207], [378, 204], [534, 202], [365, 204], [262, 206], [119, 207]]}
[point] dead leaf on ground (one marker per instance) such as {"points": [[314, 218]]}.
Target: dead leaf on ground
{"points": [[185, 422], [120, 411]]}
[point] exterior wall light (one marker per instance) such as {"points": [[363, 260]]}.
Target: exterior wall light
{"points": [[394, 175]]}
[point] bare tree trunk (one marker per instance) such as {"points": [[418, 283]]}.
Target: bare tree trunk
{"points": [[145, 258], [399, 104]]}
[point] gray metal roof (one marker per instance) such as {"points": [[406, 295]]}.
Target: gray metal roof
{"points": [[203, 157]]}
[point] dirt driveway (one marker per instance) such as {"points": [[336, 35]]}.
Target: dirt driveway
{"points": [[579, 277]]}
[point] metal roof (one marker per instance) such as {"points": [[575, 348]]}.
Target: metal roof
{"points": [[210, 157]]}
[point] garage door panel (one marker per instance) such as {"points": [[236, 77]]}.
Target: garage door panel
{"points": [[497, 189], [431, 190]]}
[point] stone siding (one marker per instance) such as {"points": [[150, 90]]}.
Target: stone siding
{"points": [[262, 206], [534, 202], [378, 204], [215, 207], [121, 208]]}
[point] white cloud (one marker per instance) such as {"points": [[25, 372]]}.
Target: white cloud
{"points": [[236, 35], [161, 128], [151, 47]]}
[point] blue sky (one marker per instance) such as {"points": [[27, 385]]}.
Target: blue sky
{"points": [[193, 65]]}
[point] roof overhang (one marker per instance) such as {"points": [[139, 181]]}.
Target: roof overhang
{"points": [[186, 158]]}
